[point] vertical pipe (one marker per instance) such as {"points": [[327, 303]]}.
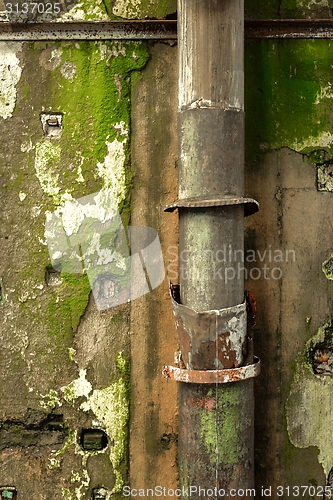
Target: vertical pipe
{"points": [[211, 163], [215, 421]]}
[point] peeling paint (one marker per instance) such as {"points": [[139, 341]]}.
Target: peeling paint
{"points": [[92, 155], [111, 409], [309, 3], [50, 58], [77, 388], [309, 408], [111, 406], [85, 10], [10, 74], [322, 141]]}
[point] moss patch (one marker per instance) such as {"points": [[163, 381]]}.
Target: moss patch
{"points": [[288, 98], [261, 9]]}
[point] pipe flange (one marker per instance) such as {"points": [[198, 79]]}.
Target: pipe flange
{"points": [[250, 206], [212, 376]]}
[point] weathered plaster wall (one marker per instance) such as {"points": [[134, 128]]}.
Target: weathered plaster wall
{"points": [[154, 427], [292, 9], [62, 361], [289, 151], [66, 366]]}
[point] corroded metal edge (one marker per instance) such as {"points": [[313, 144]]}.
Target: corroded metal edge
{"points": [[212, 376], [210, 339], [250, 206]]}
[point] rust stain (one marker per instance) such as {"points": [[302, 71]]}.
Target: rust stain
{"points": [[220, 350], [184, 339], [323, 358], [204, 337], [208, 403]]}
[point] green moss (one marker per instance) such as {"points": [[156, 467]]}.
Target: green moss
{"points": [[111, 406], [262, 9], [94, 102], [288, 96], [67, 306], [305, 8], [224, 433]]}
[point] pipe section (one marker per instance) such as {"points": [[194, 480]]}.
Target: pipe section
{"points": [[215, 415]]}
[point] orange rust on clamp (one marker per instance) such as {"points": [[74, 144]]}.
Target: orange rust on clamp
{"points": [[212, 376]]}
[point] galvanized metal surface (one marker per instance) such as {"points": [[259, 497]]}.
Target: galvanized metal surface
{"points": [[211, 339], [211, 267], [211, 70], [212, 376], [211, 149], [85, 30]]}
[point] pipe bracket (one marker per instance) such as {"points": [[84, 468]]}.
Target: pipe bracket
{"points": [[250, 206], [212, 376]]}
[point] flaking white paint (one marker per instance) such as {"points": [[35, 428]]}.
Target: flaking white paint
{"points": [[10, 74]]}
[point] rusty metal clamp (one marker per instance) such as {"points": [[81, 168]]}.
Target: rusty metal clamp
{"points": [[212, 376]]}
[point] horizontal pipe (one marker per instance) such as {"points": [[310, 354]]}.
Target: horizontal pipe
{"points": [[158, 30], [110, 30]]}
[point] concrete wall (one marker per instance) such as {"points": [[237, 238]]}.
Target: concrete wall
{"points": [[288, 158], [67, 366]]}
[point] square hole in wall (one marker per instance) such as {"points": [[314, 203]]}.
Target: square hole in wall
{"points": [[51, 123], [100, 494], [93, 439], [8, 492]]}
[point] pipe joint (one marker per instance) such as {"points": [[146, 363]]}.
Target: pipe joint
{"points": [[217, 339], [212, 376]]}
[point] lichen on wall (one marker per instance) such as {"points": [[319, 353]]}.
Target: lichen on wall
{"points": [[139, 9], [309, 408], [110, 407], [306, 8]]}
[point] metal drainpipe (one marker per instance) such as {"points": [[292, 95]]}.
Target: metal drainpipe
{"points": [[216, 405]]}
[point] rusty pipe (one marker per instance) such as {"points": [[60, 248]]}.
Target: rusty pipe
{"points": [[215, 419]]}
